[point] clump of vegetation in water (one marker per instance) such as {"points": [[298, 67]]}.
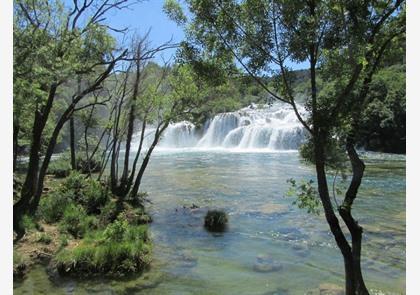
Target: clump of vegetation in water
{"points": [[119, 249], [216, 221]]}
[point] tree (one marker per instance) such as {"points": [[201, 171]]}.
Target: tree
{"points": [[53, 44], [149, 97], [343, 42]]}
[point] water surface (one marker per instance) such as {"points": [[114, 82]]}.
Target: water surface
{"points": [[271, 246]]}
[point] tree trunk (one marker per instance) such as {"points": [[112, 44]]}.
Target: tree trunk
{"points": [[355, 229], [72, 145], [31, 184], [136, 185], [16, 129]]}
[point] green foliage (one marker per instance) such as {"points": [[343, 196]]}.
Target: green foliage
{"points": [[75, 221], [60, 167], [94, 196], [216, 220], [63, 240], [306, 195], [334, 153], [52, 206], [109, 212], [29, 223], [173, 9], [115, 231], [89, 193], [47, 51], [122, 250], [383, 124], [44, 238]]}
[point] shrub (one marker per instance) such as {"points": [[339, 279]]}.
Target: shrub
{"points": [[60, 168], [116, 231], [94, 196], [74, 183], [84, 165], [44, 238], [109, 212], [74, 221], [215, 221], [51, 207], [89, 193], [63, 241], [29, 223]]}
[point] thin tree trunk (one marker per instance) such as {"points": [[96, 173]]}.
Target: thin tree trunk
{"points": [[16, 129], [72, 144], [136, 185]]}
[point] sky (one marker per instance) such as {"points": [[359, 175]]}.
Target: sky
{"points": [[149, 15]]}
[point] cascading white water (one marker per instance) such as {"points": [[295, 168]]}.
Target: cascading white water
{"points": [[179, 135], [252, 128]]}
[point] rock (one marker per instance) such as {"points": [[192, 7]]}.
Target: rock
{"points": [[301, 250], [266, 209], [330, 289], [266, 263]]}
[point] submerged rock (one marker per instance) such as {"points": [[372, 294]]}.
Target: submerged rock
{"points": [[266, 263], [330, 289]]}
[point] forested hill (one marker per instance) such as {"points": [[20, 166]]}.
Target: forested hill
{"points": [[383, 125]]}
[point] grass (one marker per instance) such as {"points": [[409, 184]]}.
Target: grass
{"points": [[117, 250], [87, 231]]}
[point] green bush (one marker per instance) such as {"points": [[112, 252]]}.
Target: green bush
{"points": [[64, 241], [215, 220], [29, 223], [89, 193], [51, 206], [116, 231], [94, 196], [60, 168], [75, 221], [109, 212], [44, 238], [74, 183], [83, 165]]}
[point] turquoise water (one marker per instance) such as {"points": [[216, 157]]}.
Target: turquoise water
{"points": [[271, 246]]}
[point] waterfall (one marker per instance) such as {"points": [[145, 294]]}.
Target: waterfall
{"points": [[264, 128]]}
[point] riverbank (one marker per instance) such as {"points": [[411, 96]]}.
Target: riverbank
{"points": [[81, 229]]}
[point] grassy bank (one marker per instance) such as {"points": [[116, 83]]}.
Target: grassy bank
{"points": [[82, 229]]}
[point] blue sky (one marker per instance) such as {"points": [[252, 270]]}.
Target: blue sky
{"points": [[149, 15]]}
